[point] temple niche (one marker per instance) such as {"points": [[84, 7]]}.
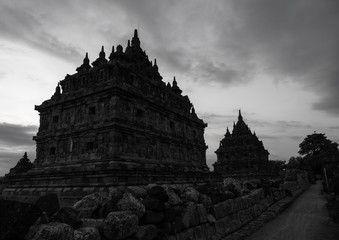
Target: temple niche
{"points": [[119, 111], [240, 151]]}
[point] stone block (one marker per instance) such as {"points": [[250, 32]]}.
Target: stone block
{"points": [[130, 203], [190, 194], [222, 209], [139, 192], [194, 215], [54, 230], [205, 200], [87, 233], [173, 197], [146, 232], [68, 216], [222, 227], [90, 222], [119, 225], [89, 205]]}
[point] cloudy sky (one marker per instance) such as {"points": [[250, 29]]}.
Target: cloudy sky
{"points": [[276, 60]]}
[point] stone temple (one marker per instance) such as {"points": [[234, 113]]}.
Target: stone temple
{"points": [[240, 151], [115, 121]]}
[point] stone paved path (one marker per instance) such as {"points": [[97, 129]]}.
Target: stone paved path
{"points": [[306, 219]]}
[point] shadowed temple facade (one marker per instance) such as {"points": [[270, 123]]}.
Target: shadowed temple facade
{"points": [[115, 121], [121, 110], [240, 151]]}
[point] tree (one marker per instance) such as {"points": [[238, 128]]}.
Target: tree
{"points": [[317, 151], [317, 144]]}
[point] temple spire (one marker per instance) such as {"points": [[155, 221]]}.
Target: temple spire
{"points": [[86, 60], [135, 39], [174, 82], [85, 64], [111, 56], [175, 87], [155, 66], [101, 59], [102, 53], [240, 117], [228, 134]]}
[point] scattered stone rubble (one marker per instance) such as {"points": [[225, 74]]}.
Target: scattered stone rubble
{"points": [[174, 212]]}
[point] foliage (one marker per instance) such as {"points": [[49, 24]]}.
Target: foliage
{"points": [[316, 152], [317, 144]]}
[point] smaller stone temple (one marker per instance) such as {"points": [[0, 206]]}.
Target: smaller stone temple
{"points": [[240, 151]]}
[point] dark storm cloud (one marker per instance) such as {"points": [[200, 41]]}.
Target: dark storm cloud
{"points": [[219, 72], [294, 39], [21, 26], [13, 135], [230, 42]]}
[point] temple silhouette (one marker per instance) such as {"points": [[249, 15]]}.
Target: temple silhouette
{"points": [[240, 151]]}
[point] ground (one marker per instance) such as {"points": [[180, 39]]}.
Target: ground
{"points": [[306, 219]]}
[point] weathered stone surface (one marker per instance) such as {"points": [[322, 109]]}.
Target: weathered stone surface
{"points": [[202, 213], [211, 218], [119, 225], [220, 195], [87, 233], [205, 200], [146, 232], [89, 205], [48, 203], [116, 193], [194, 215], [17, 217], [130, 203], [153, 204], [138, 191], [191, 194], [222, 209], [200, 232], [90, 222], [51, 231], [173, 198], [226, 225], [159, 193], [67, 215], [151, 217], [232, 184]]}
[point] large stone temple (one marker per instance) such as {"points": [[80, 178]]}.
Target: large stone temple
{"points": [[115, 121], [240, 151]]}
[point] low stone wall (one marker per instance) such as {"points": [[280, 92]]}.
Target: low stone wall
{"points": [[176, 212]]}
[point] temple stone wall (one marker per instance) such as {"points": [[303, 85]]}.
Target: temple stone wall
{"points": [[182, 211]]}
